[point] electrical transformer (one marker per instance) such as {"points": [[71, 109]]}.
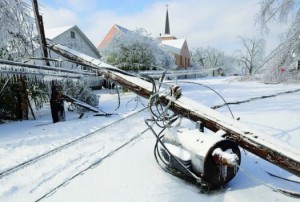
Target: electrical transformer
{"points": [[212, 157]]}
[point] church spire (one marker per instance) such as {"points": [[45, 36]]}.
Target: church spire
{"points": [[167, 26], [167, 35]]}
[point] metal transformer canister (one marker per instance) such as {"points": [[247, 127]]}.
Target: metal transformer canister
{"points": [[213, 158]]}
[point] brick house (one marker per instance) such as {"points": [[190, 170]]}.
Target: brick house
{"points": [[178, 47], [180, 50], [114, 30]]}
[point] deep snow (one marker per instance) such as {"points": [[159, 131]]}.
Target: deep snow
{"points": [[131, 173]]}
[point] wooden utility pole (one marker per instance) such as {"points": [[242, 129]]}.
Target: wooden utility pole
{"points": [[56, 103], [41, 31], [254, 141]]}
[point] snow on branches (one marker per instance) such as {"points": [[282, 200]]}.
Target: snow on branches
{"points": [[16, 29], [136, 51], [282, 65], [210, 57]]}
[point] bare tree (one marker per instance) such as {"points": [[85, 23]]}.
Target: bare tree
{"points": [[210, 57], [251, 54], [214, 57], [199, 57]]}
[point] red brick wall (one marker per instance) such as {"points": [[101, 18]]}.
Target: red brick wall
{"points": [[112, 32]]}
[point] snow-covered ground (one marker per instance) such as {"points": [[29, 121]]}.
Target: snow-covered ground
{"points": [[124, 167]]}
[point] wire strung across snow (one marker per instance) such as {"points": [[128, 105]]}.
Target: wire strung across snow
{"points": [[255, 98], [60, 148], [275, 189], [93, 165], [214, 107]]}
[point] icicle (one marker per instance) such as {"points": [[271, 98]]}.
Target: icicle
{"points": [[235, 169], [223, 172]]}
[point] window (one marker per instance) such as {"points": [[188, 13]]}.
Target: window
{"points": [[72, 35], [181, 60]]}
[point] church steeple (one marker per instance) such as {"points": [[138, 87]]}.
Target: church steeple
{"points": [[167, 35], [167, 25]]}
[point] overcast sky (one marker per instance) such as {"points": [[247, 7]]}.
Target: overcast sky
{"points": [[216, 23]]}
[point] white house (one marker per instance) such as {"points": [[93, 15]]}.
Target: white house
{"points": [[74, 38]]}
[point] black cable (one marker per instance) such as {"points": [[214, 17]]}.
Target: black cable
{"points": [[277, 176], [160, 112], [119, 99], [152, 81], [193, 175], [136, 104], [275, 189], [210, 89], [156, 151]]}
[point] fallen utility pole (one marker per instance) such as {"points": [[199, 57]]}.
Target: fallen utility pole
{"points": [[252, 140]]}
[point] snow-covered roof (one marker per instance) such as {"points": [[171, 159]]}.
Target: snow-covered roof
{"points": [[174, 45], [54, 32], [167, 36]]}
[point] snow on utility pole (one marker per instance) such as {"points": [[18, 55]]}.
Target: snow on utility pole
{"points": [[41, 31], [250, 139]]}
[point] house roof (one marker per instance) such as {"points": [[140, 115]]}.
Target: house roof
{"points": [[167, 36], [174, 45], [111, 34], [55, 32], [122, 29]]}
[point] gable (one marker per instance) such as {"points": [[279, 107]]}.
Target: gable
{"points": [[122, 29], [176, 46], [185, 50], [108, 37], [74, 38], [112, 33]]}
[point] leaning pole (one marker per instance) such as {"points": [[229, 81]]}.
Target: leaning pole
{"points": [[248, 138]]}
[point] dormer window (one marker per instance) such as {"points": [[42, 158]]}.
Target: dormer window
{"points": [[72, 35]]}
